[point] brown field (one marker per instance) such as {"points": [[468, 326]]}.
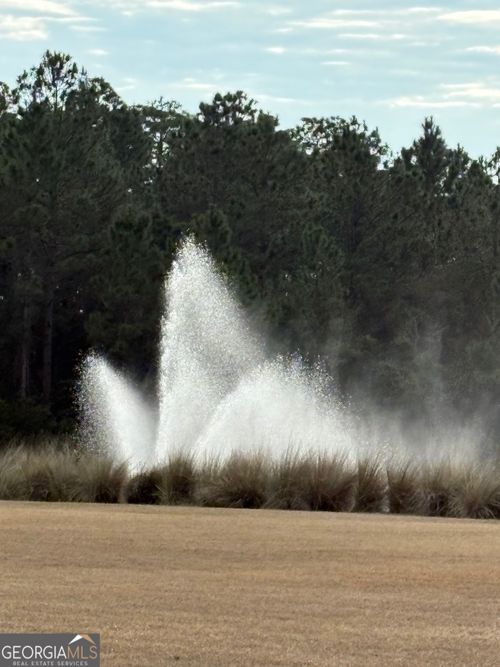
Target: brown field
{"points": [[221, 587]]}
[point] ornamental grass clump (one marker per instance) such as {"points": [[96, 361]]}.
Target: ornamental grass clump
{"points": [[288, 483], [56, 474], [478, 494], [241, 481], [330, 483], [179, 479], [405, 492], [441, 482], [145, 487], [371, 486], [171, 484]]}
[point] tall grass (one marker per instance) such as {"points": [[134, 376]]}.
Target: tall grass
{"points": [[171, 484], [405, 490], [371, 486], [478, 494], [288, 483], [58, 472], [330, 483], [241, 481]]}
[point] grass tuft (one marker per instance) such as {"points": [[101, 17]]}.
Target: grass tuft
{"points": [[371, 486], [171, 484], [179, 479], [99, 480], [288, 483], [441, 484], [56, 475], [56, 472], [144, 488], [478, 494], [12, 479], [330, 484], [241, 481], [405, 493]]}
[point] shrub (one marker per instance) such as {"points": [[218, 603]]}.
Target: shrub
{"points": [[145, 488], [99, 480], [49, 475], [241, 481], [178, 480], [330, 484], [405, 492], [441, 484], [371, 486], [12, 480], [478, 494], [24, 418], [171, 484], [59, 474], [288, 483], [55, 471]]}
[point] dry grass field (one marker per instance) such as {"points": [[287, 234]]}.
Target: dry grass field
{"points": [[222, 587]]}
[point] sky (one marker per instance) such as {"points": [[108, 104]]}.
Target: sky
{"points": [[390, 63]]}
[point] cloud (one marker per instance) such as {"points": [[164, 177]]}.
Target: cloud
{"points": [[474, 94], [208, 89], [190, 83], [327, 23], [366, 18], [38, 6], [419, 10], [88, 28], [129, 83], [34, 26], [374, 36], [132, 7], [275, 49], [385, 13], [391, 24], [22, 28], [472, 17], [276, 99], [484, 49], [335, 63], [98, 52], [476, 91], [422, 102], [278, 10]]}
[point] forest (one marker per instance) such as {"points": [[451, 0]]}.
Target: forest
{"points": [[385, 265]]}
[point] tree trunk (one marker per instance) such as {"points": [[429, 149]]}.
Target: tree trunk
{"points": [[25, 354], [48, 326]]}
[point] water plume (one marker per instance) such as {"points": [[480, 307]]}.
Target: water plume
{"points": [[206, 349], [115, 418], [219, 393]]}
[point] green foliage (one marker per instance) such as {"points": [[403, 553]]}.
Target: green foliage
{"points": [[23, 418], [386, 266], [128, 282]]}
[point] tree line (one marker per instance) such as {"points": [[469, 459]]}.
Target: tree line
{"points": [[384, 265]]}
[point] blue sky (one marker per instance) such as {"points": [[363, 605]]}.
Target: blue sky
{"points": [[390, 63]]}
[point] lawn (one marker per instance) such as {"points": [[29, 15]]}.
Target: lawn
{"points": [[228, 587]]}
